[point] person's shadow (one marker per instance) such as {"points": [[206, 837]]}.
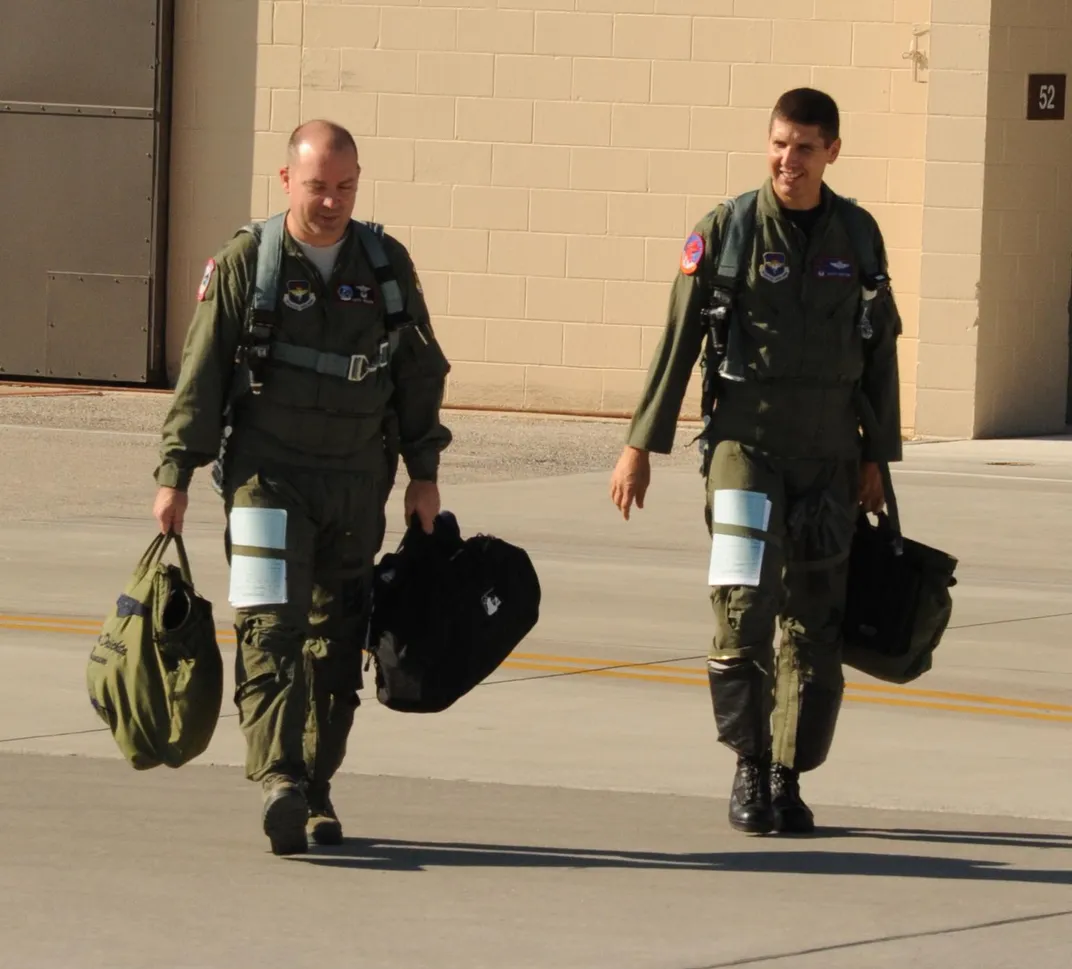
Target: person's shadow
{"points": [[389, 854]]}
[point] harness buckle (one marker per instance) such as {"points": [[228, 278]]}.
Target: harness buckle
{"points": [[359, 368]]}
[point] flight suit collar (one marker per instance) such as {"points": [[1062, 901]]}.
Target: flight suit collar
{"points": [[292, 249], [770, 206]]}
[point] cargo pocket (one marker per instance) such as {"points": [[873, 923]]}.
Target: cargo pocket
{"points": [[821, 527]]}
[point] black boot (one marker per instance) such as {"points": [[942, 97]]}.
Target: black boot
{"points": [[324, 826], [285, 813], [750, 801], [791, 814]]}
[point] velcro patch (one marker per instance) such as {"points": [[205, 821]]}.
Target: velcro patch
{"points": [[210, 268], [692, 253], [834, 269]]}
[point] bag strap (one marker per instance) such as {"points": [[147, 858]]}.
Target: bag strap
{"points": [[269, 262], [184, 562], [737, 239], [723, 336], [870, 424], [873, 277], [370, 235], [154, 554]]}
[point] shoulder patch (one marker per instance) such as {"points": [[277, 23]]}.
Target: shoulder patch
{"points": [[417, 282], [692, 253], [210, 268]]}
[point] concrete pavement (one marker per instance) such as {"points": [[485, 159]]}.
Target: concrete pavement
{"points": [[571, 811]]}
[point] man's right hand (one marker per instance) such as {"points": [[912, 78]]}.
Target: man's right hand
{"points": [[169, 509], [630, 480]]}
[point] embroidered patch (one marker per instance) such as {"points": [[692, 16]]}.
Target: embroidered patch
{"points": [[692, 253], [299, 296], [834, 269], [210, 268], [362, 294], [774, 268]]}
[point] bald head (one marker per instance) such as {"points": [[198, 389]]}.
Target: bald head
{"points": [[321, 178], [319, 137]]}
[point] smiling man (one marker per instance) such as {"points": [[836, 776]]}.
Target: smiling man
{"points": [[801, 407], [312, 358]]}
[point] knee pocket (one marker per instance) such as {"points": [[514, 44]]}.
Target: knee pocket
{"points": [[744, 616], [335, 667], [266, 647]]}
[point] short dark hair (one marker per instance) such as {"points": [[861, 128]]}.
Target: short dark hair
{"points": [[806, 106], [339, 139]]}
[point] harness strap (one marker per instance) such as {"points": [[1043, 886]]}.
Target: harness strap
{"points": [[354, 368]]}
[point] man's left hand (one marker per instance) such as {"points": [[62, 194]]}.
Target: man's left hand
{"points": [[872, 494], [422, 500]]}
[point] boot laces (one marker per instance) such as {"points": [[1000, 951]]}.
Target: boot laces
{"points": [[750, 779], [785, 782], [320, 802]]}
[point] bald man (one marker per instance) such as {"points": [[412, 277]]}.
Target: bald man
{"points": [[309, 370]]}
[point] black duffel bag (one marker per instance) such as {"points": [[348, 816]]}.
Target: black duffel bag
{"points": [[446, 612], [898, 602]]}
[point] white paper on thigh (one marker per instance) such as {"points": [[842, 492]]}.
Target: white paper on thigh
{"points": [[736, 560], [259, 527], [257, 581]]}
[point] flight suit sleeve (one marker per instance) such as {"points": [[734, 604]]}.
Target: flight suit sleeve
{"points": [[654, 421], [193, 428], [419, 372], [881, 382]]}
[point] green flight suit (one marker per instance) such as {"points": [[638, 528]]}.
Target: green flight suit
{"points": [[790, 432], [309, 466]]}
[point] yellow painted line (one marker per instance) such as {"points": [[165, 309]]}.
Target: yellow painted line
{"points": [[667, 673], [866, 687], [54, 620], [882, 700], [962, 708], [970, 697]]}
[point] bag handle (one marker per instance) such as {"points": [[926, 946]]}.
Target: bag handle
{"points": [[870, 423], [154, 554], [184, 562]]}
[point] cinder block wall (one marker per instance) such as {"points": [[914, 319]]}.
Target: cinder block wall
{"points": [[1026, 268], [545, 159]]}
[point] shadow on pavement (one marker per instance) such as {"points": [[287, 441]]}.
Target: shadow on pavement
{"points": [[392, 855], [1007, 839]]}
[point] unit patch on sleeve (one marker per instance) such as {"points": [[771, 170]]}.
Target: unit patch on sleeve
{"points": [[210, 268], [692, 253]]}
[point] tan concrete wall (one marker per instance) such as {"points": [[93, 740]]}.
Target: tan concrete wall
{"points": [[1026, 230], [544, 159], [224, 59], [957, 45], [997, 261]]}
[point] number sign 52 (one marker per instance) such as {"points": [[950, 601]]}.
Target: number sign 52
{"points": [[1046, 97]]}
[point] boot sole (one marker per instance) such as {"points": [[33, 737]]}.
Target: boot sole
{"points": [[781, 827], [326, 833], [284, 824], [752, 827]]}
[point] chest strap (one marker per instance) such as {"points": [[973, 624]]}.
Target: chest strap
{"points": [[354, 368]]}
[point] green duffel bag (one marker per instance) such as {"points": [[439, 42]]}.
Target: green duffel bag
{"points": [[155, 675], [898, 602]]}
